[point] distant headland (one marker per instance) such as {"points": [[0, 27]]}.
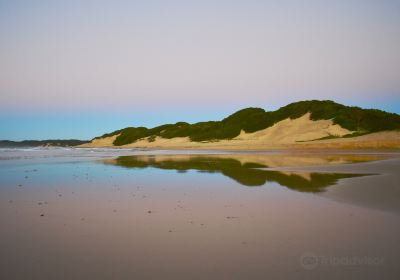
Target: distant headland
{"points": [[41, 143]]}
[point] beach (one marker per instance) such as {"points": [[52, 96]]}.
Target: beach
{"points": [[199, 140], [149, 214]]}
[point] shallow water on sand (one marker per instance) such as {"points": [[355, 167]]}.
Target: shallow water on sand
{"points": [[128, 214]]}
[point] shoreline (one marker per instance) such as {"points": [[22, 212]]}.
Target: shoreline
{"points": [[256, 149]]}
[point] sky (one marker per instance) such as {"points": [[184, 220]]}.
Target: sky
{"points": [[78, 69]]}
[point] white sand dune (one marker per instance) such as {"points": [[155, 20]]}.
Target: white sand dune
{"points": [[289, 133], [295, 130], [101, 142]]}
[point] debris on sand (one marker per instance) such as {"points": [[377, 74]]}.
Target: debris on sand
{"points": [[231, 217]]}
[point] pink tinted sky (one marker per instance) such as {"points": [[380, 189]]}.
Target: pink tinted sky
{"points": [[184, 59]]}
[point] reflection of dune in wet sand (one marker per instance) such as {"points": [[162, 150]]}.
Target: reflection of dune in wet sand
{"points": [[246, 172], [304, 175], [282, 160], [270, 160]]}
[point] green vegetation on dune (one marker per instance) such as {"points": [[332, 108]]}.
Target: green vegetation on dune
{"points": [[110, 134], [356, 119], [351, 118]]}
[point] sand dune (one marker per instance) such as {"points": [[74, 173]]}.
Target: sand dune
{"points": [[289, 133], [101, 142]]}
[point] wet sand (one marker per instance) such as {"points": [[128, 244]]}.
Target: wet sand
{"points": [[380, 191], [108, 215]]}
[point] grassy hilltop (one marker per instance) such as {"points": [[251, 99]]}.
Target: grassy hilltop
{"points": [[361, 121]]}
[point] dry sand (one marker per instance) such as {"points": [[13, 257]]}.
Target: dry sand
{"points": [[300, 133]]}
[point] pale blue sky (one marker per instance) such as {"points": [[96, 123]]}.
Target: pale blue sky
{"points": [[77, 69]]}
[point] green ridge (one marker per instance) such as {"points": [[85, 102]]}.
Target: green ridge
{"points": [[362, 121]]}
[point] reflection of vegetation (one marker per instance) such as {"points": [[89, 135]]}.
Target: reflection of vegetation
{"points": [[246, 174], [253, 119]]}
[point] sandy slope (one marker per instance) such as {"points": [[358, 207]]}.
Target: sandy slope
{"points": [[291, 131], [297, 133], [102, 142], [384, 139]]}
